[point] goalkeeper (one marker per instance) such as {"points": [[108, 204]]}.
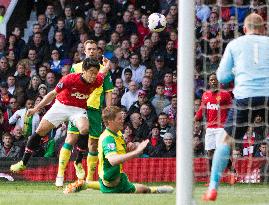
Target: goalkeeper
{"points": [[111, 155], [246, 61], [94, 104]]}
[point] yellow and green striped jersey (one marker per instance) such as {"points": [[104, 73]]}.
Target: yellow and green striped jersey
{"points": [[110, 143], [97, 97]]}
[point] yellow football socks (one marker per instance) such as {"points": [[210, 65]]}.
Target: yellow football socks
{"points": [[153, 189], [64, 157], [92, 160], [93, 185]]}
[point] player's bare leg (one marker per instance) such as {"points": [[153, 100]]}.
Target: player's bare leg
{"points": [[33, 142]]}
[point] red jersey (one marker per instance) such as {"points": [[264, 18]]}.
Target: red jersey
{"points": [[73, 90], [215, 106]]}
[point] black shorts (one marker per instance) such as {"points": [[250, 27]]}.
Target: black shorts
{"points": [[242, 115]]}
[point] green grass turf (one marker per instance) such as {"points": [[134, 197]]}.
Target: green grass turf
{"points": [[30, 193]]}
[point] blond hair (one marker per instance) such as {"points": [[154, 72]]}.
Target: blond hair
{"points": [[254, 22], [109, 114]]}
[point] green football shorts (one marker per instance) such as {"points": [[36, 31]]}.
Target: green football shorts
{"points": [[123, 187], [95, 121]]}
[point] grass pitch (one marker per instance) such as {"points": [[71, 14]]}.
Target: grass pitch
{"points": [[31, 193]]}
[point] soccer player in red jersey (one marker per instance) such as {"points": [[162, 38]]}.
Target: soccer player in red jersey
{"points": [[214, 107], [71, 94]]}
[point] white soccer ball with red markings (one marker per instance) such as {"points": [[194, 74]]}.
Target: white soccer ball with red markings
{"points": [[157, 22]]}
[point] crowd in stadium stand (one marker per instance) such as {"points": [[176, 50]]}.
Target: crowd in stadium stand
{"points": [[143, 69], [143, 65]]}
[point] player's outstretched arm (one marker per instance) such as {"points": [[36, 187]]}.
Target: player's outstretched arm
{"points": [[116, 159], [46, 100]]}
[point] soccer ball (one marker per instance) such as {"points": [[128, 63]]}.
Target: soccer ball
{"points": [[157, 22]]}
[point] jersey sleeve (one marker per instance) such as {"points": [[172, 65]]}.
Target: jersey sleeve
{"points": [[99, 80], [109, 146], [224, 72], [64, 83], [108, 85]]}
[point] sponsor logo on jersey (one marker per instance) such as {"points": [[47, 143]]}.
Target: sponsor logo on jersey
{"points": [[60, 85], [80, 95], [212, 106], [111, 146]]}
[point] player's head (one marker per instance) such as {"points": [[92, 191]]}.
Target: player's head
{"points": [[90, 68], [90, 48], [254, 24], [112, 118], [213, 82]]}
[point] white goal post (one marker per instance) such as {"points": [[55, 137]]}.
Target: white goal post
{"points": [[185, 67]]}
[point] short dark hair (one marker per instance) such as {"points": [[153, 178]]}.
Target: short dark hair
{"points": [[89, 62], [128, 70]]}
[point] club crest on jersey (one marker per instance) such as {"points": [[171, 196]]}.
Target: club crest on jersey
{"points": [[111, 146], [218, 98], [212, 106], [80, 95], [60, 85]]}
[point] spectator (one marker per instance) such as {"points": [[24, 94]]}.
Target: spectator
{"points": [[21, 79], [129, 26], [140, 127], [131, 96], [198, 148], [202, 11], [167, 148], [170, 55], [145, 56], [3, 126], [142, 98], [159, 70], [137, 69], [164, 125], [98, 33], [263, 150], [120, 88], [169, 86], [8, 149], [19, 43], [28, 123], [56, 63], [146, 86], [60, 44], [5, 71], [128, 133], [50, 81], [171, 111], [115, 69], [159, 101], [42, 90], [4, 95], [51, 17], [69, 21], [19, 139], [154, 140], [127, 73], [147, 6], [32, 90], [115, 100], [148, 114], [10, 110]]}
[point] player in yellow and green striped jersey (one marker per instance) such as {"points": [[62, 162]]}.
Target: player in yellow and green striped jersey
{"points": [[111, 155], [94, 103]]}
